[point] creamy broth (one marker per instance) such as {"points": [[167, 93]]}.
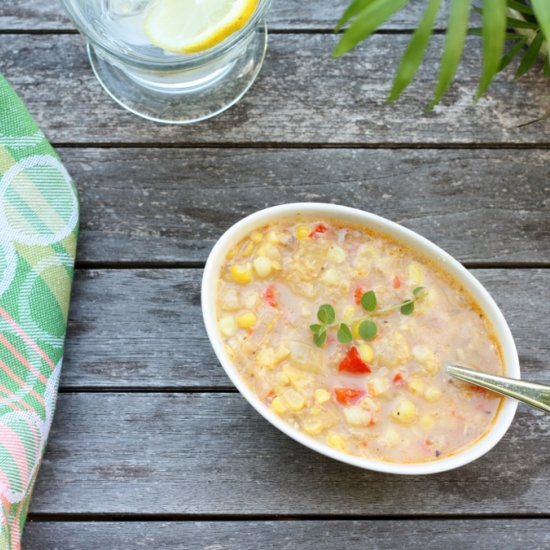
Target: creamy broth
{"points": [[382, 396]]}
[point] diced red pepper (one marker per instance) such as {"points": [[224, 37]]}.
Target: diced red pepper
{"points": [[396, 282], [353, 363], [317, 230], [270, 396], [269, 296], [348, 396], [358, 295], [398, 379]]}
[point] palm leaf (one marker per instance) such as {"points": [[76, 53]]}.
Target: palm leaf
{"points": [[457, 27], [356, 7], [530, 56], [368, 20], [519, 6], [494, 30], [542, 12], [415, 50], [520, 23], [514, 50]]}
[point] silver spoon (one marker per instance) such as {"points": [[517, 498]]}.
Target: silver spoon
{"points": [[536, 395]]}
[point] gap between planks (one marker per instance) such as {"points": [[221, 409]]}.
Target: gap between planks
{"points": [[304, 145], [38, 517]]}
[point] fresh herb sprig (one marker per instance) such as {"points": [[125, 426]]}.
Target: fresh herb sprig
{"points": [[367, 328]]}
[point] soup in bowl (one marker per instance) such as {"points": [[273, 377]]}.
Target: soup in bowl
{"points": [[336, 324]]}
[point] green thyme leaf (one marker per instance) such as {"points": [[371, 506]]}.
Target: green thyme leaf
{"points": [[418, 290], [368, 330], [368, 300], [407, 307], [326, 314], [344, 334], [320, 338], [316, 328]]}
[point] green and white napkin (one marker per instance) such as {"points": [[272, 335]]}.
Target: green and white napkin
{"points": [[38, 233]]}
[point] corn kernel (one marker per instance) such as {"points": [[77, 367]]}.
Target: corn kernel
{"points": [[416, 386], [336, 441], [302, 231], [266, 358], [250, 299], [230, 300], [276, 265], [273, 237], [294, 400], [313, 426], [366, 353], [228, 326], [246, 320], [355, 330], [281, 353], [427, 421], [405, 412], [232, 253], [432, 394], [391, 437], [248, 249], [321, 396], [348, 313], [331, 277], [269, 251], [336, 254], [241, 274], [357, 416], [416, 273], [278, 406], [262, 266], [378, 386], [256, 237], [427, 358], [369, 404]]}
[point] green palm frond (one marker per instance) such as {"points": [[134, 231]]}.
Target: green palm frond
{"points": [[523, 24]]}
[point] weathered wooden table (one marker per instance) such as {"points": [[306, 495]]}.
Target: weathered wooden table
{"points": [[151, 446]]}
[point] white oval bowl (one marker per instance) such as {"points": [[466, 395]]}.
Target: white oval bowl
{"points": [[356, 217]]}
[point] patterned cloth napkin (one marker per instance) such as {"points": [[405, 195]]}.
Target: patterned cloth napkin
{"points": [[38, 232]]}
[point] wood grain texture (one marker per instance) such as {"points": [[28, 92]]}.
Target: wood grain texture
{"points": [[289, 535], [157, 204], [192, 454], [303, 96], [284, 14], [143, 328]]}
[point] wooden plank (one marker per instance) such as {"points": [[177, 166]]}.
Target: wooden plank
{"points": [[284, 14], [289, 535], [192, 454], [156, 204], [143, 328], [302, 97]]}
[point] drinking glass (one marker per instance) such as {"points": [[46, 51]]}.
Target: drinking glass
{"points": [[160, 85]]}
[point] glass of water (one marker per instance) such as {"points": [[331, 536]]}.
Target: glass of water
{"points": [[160, 85]]}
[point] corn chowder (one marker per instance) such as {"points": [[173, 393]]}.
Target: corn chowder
{"points": [[343, 333]]}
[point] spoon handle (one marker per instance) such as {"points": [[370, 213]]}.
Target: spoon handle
{"points": [[536, 395]]}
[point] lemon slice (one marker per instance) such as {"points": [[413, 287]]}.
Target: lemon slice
{"points": [[191, 26]]}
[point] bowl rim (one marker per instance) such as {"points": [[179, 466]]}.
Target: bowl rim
{"points": [[354, 216]]}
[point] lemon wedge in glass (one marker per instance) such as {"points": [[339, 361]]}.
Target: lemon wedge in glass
{"points": [[192, 26]]}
